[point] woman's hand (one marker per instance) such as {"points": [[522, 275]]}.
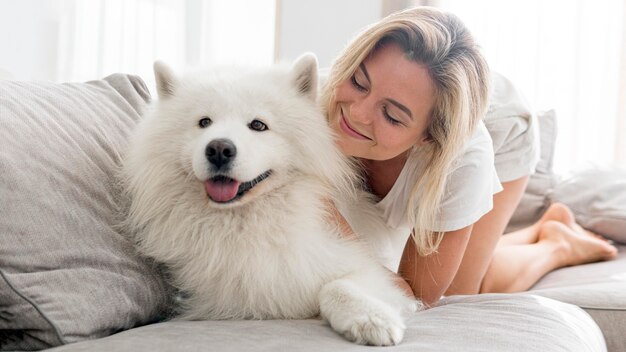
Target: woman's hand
{"points": [[401, 282], [334, 216]]}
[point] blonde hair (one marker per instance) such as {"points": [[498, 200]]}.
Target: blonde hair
{"points": [[439, 41]]}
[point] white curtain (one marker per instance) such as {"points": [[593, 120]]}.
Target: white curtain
{"points": [[563, 54], [569, 55], [100, 37]]}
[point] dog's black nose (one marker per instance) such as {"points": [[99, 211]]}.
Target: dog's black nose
{"points": [[220, 152]]}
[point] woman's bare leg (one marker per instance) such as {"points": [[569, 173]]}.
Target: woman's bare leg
{"points": [[559, 242], [514, 262]]}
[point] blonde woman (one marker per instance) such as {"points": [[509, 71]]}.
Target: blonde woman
{"points": [[407, 98]]}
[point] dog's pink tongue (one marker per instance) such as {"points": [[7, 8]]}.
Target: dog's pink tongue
{"points": [[222, 191]]}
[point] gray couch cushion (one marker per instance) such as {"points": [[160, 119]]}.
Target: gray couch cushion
{"points": [[461, 323], [66, 273], [599, 288]]}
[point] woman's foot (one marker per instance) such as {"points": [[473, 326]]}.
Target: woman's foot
{"points": [[574, 244], [562, 213], [529, 235], [558, 212]]}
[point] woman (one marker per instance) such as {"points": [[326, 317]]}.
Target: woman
{"points": [[407, 98]]}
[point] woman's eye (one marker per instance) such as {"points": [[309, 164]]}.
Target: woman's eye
{"points": [[389, 118], [204, 122], [257, 125], [357, 85]]}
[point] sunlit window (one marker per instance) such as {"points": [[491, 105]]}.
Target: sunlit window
{"points": [[563, 54]]}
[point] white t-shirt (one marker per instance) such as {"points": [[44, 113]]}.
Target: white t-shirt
{"points": [[469, 188], [503, 148]]}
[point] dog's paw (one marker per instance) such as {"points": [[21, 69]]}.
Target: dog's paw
{"points": [[374, 328], [359, 316]]}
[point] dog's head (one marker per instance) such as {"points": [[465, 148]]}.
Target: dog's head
{"points": [[236, 134]]}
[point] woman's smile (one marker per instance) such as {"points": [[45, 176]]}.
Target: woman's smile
{"points": [[348, 129]]}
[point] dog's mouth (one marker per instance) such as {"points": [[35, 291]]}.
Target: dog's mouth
{"points": [[223, 189]]}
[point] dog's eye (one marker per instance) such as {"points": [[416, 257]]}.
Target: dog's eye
{"points": [[204, 122], [257, 125]]}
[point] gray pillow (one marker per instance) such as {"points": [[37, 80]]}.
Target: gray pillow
{"points": [[597, 198], [66, 273]]}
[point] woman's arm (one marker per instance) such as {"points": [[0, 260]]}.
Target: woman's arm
{"points": [[430, 276], [486, 234]]}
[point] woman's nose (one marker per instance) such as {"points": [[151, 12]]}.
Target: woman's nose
{"points": [[362, 111]]}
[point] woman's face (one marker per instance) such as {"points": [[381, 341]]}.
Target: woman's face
{"points": [[384, 108]]}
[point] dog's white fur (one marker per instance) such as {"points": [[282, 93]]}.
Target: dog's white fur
{"points": [[272, 252]]}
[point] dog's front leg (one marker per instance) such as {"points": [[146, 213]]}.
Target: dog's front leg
{"points": [[359, 315]]}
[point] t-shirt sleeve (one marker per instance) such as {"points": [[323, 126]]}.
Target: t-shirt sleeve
{"points": [[471, 186], [514, 131]]}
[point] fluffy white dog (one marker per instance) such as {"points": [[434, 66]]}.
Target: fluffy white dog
{"points": [[227, 177]]}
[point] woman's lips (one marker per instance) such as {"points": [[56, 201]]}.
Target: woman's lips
{"points": [[348, 130]]}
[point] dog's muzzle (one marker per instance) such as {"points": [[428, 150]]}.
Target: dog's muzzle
{"points": [[223, 189]]}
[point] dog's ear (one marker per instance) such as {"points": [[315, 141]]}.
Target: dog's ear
{"points": [[165, 80], [304, 75]]}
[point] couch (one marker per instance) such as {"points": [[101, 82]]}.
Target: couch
{"points": [[70, 280]]}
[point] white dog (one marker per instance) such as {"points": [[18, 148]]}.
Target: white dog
{"points": [[227, 177]]}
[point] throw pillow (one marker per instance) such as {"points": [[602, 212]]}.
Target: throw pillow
{"points": [[597, 198], [66, 273]]}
